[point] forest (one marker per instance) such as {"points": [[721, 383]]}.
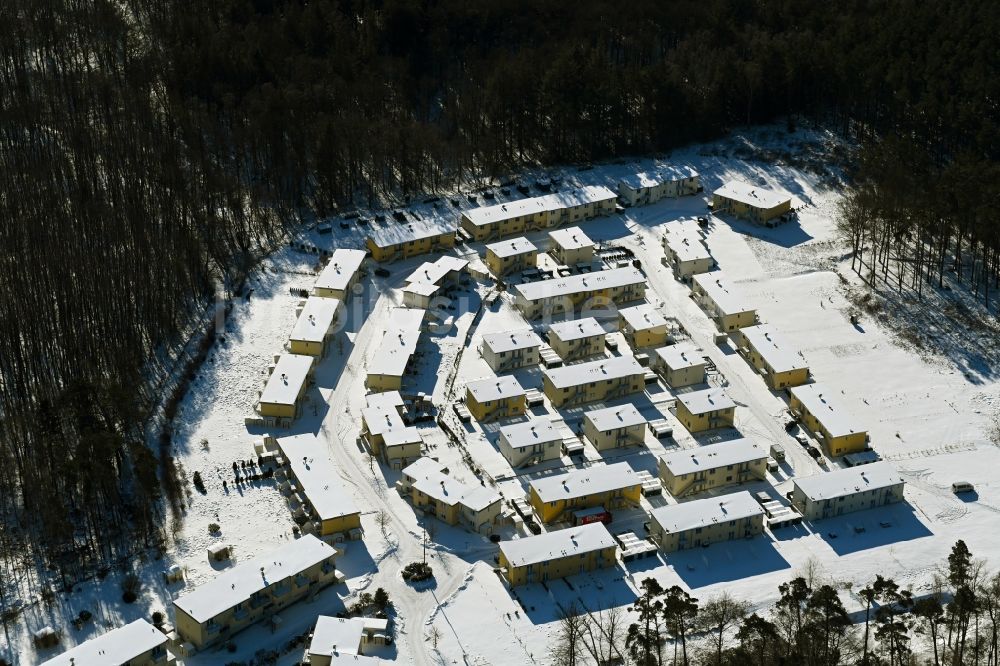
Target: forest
{"points": [[956, 622], [152, 151]]}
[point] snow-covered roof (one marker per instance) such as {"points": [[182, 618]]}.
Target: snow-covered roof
{"points": [[554, 545], [584, 282], [335, 635], [708, 400], [727, 298], [603, 369], [576, 329], [610, 418], [664, 174], [286, 381], [497, 388], [550, 202], [512, 340], [642, 317], [383, 418], [512, 247], [433, 482], [317, 475], [237, 584], [820, 400], [422, 288], [734, 452], [773, 348], [570, 238], [315, 319], [686, 248], [396, 233], [681, 355], [422, 467], [587, 481], [841, 482], [117, 646], [399, 342], [751, 195], [434, 272], [343, 265], [675, 518], [535, 431]]}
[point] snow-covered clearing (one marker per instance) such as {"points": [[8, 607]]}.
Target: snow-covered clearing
{"points": [[930, 414]]}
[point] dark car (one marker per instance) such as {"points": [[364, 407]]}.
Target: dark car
{"points": [[702, 221], [814, 452], [381, 272]]}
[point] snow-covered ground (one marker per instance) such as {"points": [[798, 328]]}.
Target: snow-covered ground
{"points": [[930, 415]]}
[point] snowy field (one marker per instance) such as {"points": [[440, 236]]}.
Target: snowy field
{"points": [[930, 415]]}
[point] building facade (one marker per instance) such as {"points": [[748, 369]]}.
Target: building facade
{"points": [[820, 411], [682, 364], [767, 350], [611, 486], [841, 491], [558, 554], [498, 398], [643, 326], [286, 387], [254, 590], [388, 436], [340, 274], [511, 256], [536, 213], [596, 290], [510, 350], [755, 204], [705, 410], [570, 246], [702, 522], [604, 379], [690, 471], [136, 644], [722, 301], [315, 326], [615, 427], [429, 489], [530, 443], [577, 339], [650, 186]]}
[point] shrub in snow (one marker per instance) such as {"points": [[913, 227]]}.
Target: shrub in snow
{"points": [[213, 528], [198, 483], [417, 571]]}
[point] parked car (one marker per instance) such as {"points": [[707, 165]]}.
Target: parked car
{"points": [[960, 487], [381, 272], [814, 452], [802, 439]]}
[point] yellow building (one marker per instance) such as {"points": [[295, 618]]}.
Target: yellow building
{"points": [[387, 434], [511, 256], [399, 241], [530, 442], [643, 326], [392, 357], [577, 339], [585, 291], [702, 522], [687, 254], [315, 326], [340, 274], [689, 471], [511, 350], [285, 388], [615, 427], [253, 590], [752, 203], [820, 411], [337, 640], [650, 186], [570, 246], [544, 212], [605, 379], [491, 399], [611, 486], [722, 301], [767, 350], [137, 644], [705, 410], [681, 364], [477, 507], [552, 555], [326, 505]]}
